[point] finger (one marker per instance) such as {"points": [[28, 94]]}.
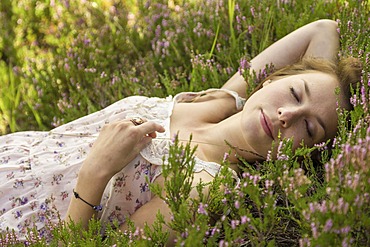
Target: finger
{"points": [[153, 134], [115, 122], [137, 120], [144, 142], [148, 128]]}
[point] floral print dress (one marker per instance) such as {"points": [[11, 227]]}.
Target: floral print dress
{"points": [[38, 170]]}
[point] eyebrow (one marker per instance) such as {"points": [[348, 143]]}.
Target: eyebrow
{"points": [[308, 93], [306, 89], [322, 125]]}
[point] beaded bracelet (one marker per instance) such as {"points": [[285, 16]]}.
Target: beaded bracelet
{"points": [[97, 208]]}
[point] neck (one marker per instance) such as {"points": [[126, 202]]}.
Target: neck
{"points": [[225, 137]]}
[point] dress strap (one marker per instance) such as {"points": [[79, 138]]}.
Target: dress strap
{"points": [[191, 96]]}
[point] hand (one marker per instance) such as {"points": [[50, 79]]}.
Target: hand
{"points": [[117, 145]]}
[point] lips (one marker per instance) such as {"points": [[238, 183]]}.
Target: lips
{"points": [[266, 124]]}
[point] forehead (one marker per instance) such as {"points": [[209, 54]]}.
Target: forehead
{"points": [[319, 84], [320, 79]]}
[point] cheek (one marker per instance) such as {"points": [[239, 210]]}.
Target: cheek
{"points": [[280, 100], [298, 137], [268, 94]]}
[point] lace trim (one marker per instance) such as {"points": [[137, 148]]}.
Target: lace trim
{"points": [[157, 151]]}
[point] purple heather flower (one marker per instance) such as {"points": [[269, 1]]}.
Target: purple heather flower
{"points": [[185, 234], [224, 200], [234, 223], [244, 219], [314, 230], [345, 230], [328, 225], [226, 156], [202, 209], [175, 136], [244, 65], [253, 12]]}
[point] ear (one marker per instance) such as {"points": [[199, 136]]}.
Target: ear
{"points": [[266, 82]]}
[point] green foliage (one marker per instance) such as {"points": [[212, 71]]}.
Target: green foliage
{"points": [[178, 175], [60, 60], [60, 50]]}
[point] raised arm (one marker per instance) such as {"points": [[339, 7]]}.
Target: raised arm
{"points": [[316, 39]]}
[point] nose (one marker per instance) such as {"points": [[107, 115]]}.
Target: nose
{"points": [[288, 115]]}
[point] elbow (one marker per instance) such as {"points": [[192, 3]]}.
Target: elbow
{"points": [[326, 30], [326, 25]]}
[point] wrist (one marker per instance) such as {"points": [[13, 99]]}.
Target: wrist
{"points": [[91, 185], [96, 208], [95, 170]]}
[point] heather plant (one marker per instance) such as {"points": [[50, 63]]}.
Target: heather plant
{"points": [[60, 60], [57, 50]]}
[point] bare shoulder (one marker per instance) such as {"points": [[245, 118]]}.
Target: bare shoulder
{"points": [[207, 108]]}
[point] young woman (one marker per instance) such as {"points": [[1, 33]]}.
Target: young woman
{"points": [[72, 172]]}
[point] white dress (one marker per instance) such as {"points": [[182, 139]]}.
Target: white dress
{"points": [[38, 170]]}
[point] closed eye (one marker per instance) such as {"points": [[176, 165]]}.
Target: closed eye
{"points": [[308, 129], [292, 91]]}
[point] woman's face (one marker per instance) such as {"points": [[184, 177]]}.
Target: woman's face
{"points": [[302, 107]]}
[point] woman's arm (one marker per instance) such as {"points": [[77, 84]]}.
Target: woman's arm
{"points": [[117, 145], [316, 39]]}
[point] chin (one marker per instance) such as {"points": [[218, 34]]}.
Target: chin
{"points": [[269, 150]]}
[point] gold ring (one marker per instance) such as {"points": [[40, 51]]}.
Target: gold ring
{"points": [[137, 121]]}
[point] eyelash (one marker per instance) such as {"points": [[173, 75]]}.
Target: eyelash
{"points": [[292, 91], [307, 129]]}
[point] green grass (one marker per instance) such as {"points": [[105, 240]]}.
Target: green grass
{"points": [[60, 60]]}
